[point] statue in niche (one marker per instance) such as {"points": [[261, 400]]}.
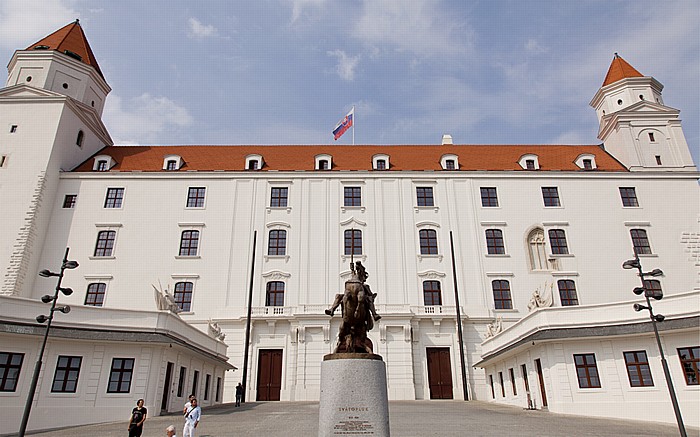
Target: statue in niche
{"points": [[543, 299], [494, 327], [164, 300], [358, 312]]}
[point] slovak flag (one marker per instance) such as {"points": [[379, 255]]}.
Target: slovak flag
{"points": [[344, 124]]}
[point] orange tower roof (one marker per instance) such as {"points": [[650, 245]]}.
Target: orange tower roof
{"points": [[70, 40], [620, 69]]}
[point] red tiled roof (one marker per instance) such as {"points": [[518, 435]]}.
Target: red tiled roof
{"points": [[620, 69], [407, 157], [70, 37]]}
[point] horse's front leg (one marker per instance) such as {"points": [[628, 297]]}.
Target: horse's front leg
{"points": [[360, 302]]}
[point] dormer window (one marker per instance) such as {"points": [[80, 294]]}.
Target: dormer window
{"points": [[172, 162], [103, 163], [529, 162], [449, 162], [586, 162], [254, 162], [380, 162], [79, 139], [324, 162]]}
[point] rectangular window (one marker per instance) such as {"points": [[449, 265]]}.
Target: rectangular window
{"points": [[3, 160], [530, 164], [381, 164], [253, 164], [13, 128], [557, 241], [65, 380], [105, 243], [207, 383], [629, 197], [428, 242], [195, 197], [690, 362], [567, 292], [102, 165], [195, 382], [449, 164], [120, 375], [489, 197], [274, 294], [189, 243], [587, 164], [511, 373], [550, 195], [638, 369], [114, 197], [95, 295], [171, 165], [586, 371], [424, 196], [651, 137], [353, 242], [353, 196], [277, 243], [69, 200], [10, 366], [278, 197], [501, 295], [218, 389], [658, 160], [181, 381], [494, 242], [503, 387], [431, 293], [640, 241], [183, 295]]}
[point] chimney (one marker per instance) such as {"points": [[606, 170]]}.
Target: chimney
{"points": [[446, 139]]}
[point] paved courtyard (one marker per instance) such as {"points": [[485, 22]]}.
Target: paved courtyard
{"points": [[408, 418]]}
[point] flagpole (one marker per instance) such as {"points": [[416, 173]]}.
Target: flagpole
{"points": [[353, 125]]}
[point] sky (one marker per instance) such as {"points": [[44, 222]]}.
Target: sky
{"points": [[286, 71]]}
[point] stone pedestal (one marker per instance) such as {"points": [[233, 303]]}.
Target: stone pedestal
{"points": [[353, 396]]}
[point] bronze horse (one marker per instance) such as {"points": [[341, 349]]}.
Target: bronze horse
{"points": [[357, 320]]}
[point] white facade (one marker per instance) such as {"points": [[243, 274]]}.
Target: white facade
{"points": [[146, 229]]}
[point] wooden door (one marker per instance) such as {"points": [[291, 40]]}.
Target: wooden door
{"points": [[269, 374], [166, 387], [540, 376], [439, 372]]}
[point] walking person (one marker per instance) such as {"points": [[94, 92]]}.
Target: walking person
{"points": [[138, 416], [187, 405], [170, 431], [239, 394], [192, 417]]}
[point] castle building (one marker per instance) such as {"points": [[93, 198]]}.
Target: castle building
{"points": [[538, 234]]}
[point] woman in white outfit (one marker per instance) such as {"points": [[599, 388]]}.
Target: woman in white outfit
{"points": [[192, 416]]}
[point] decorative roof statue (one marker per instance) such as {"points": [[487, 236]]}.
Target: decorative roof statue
{"points": [[358, 312], [541, 300], [494, 327], [164, 300]]}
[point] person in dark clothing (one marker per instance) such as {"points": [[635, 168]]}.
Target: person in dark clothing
{"points": [[138, 416], [239, 394]]}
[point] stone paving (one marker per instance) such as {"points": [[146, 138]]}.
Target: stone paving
{"points": [[408, 418]]}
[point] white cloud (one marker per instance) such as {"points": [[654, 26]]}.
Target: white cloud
{"points": [[533, 46], [143, 119], [299, 6], [198, 30], [415, 26], [346, 64], [23, 22]]}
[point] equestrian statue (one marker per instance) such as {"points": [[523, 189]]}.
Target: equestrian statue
{"points": [[358, 312]]}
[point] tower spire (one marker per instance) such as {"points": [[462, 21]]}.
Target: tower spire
{"points": [[620, 69]]}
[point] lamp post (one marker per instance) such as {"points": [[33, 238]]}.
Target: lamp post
{"points": [[65, 309], [658, 295]]}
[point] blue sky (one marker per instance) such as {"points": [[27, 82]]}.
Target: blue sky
{"points": [[285, 71]]}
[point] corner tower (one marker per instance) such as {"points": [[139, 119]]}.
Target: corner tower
{"points": [[635, 125], [50, 121]]}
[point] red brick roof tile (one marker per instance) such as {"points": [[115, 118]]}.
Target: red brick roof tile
{"points": [[70, 37], [620, 69], [406, 157]]}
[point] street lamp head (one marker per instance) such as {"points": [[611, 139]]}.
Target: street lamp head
{"points": [[41, 318], [66, 290], [659, 317], [47, 273], [655, 272], [46, 298], [639, 307], [70, 265], [631, 264], [638, 290], [65, 309]]}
